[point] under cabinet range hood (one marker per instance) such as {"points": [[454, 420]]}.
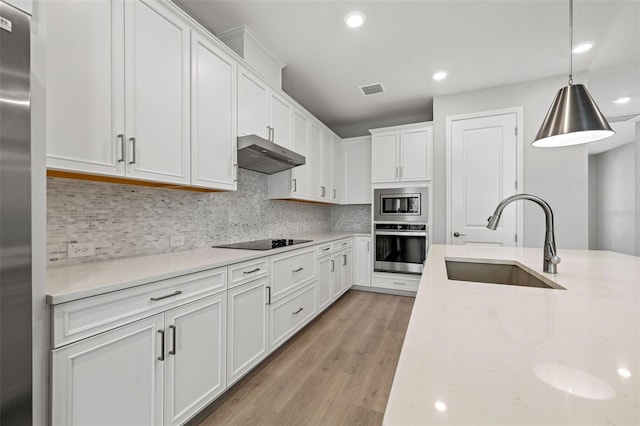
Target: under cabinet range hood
{"points": [[263, 156]]}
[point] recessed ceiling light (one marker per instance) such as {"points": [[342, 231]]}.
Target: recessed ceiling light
{"points": [[581, 48], [440, 75], [624, 372], [440, 406], [622, 100], [355, 19]]}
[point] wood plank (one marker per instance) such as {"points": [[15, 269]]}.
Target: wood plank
{"points": [[338, 370]]}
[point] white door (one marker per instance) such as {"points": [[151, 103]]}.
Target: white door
{"points": [[281, 112], [195, 360], [315, 161], [385, 151], [300, 174], [363, 261], [414, 155], [324, 282], [347, 269], [213, 116], [85, 86], [157, 62], [253, 104], [483, 172], [115, 378], [247, 328], [337, 276]]}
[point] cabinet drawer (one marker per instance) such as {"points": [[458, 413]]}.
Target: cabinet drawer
{"points": [[244, 272], [290, 270], [82, 318], [290, 314], [324, 249], [399, 283], [341, 244]]}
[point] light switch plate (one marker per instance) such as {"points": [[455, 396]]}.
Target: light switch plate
{"points": [[176, 240], [80, 250]]}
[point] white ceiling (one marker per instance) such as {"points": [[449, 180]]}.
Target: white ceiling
{"points": [[402, 43]]}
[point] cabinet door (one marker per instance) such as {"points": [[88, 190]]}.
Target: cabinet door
{"points": [[336, 171], [363, 261], [247, 328], [385, 149], [347, 269], [415, 158], [356, 162], [213, 115], [324, 282], [337, 275], [314, 162], [253, 104], [325, 166], [157, 80], [281, 117], [85, 86], [300, 174], [195, 360], [114, 378]]}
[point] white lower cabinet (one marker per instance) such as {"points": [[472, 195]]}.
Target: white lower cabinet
{"points": [[324, 282], [337, 276], [114, 378], [290, 314], [362, 261], [195, 369], [126, 376], [347, 269], [247, 327]]}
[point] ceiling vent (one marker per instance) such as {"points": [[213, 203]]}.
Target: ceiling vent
{"points": [[372, 89]]}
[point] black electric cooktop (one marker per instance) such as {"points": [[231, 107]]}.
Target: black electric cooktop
{"points": [[267, 244]]}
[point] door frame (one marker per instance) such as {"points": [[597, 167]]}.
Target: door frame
{"points": [[519, 111]]}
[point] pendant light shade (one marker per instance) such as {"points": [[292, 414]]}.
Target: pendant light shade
{"points": [[574, 118]]}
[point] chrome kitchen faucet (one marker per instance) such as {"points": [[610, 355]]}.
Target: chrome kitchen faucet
{"points": [[550, 259]]}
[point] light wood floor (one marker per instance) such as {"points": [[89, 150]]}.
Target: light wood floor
{"points": [[336, 371]]}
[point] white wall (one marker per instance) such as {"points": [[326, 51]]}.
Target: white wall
{"points": [[593, 202], [615, 208], [637, 183], [558, 175]]}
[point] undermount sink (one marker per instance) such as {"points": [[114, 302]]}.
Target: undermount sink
{"points": [[495, 273]]}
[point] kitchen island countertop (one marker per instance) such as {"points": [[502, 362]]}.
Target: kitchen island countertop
{"points": [[75, 282], [493, 354]]}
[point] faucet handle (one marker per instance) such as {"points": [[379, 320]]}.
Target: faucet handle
{"points": [[555, 260]]}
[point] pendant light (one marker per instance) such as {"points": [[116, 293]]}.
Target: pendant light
{"points": [[573, 118]]}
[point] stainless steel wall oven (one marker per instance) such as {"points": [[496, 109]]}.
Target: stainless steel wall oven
{"points": [[401, 248]]}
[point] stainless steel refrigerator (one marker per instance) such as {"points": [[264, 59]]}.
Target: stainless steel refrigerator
{"points": [[15, 219]]}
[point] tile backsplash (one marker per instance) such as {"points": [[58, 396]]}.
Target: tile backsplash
{"points": [[126, 220]]}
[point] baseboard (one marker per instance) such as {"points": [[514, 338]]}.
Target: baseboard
{"points": [[384, 290]]}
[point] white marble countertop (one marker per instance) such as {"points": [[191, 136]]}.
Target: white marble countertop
{"points": [[75, 282], [487, 354]]}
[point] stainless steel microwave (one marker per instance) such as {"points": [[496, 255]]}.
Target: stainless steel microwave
{"points": [[401, 205]]}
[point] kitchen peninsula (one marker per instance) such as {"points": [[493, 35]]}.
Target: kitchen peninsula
{"points": [[477, 353]]}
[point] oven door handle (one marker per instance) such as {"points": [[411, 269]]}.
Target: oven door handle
{"points": [[402, 234]]}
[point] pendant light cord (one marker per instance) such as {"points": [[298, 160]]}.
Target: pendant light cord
{"points": [[570, 42]]}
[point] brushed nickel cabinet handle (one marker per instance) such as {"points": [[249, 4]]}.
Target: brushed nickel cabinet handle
{"points": [[333, 266], [399, 283], [269, 297], [133, 151], [122, 148], [161, 357], [298, 270], [326, 249], [298, 311], [173, 339], [155, 299], [344, 260], [251, 271], [295, 185]]}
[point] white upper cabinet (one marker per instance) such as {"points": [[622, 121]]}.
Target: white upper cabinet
{"points": [[157, 60], [402, 153], [336, 171], [325, 166], [314, 161], [356, 170], [213, 115], [281, 113], [262, 110], [85, 86]]}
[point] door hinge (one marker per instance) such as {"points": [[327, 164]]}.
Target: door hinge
{"points": [[516, 238], [516, 184], [516, 131]]}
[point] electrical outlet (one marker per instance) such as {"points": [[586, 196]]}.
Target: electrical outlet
{"points": [[80, 250], [176, 240]]}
